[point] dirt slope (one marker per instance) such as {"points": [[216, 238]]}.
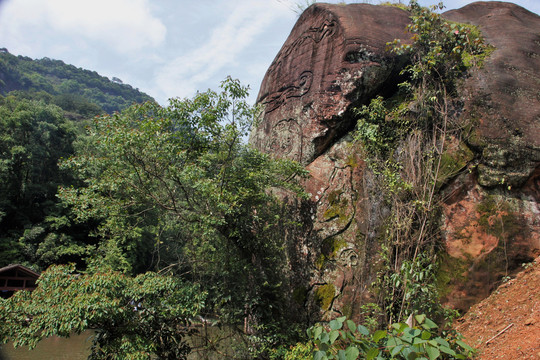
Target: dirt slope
{"points": [[513, 313]]}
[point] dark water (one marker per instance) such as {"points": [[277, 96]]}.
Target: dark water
{"points": [[76, 347]]}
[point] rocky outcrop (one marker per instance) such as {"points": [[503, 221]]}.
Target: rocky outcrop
{"points": [[503, 98], [336, 59], [492, 213]]}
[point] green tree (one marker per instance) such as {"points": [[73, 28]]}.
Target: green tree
{"points": [[33, 137], [175, 187], [134, 318], [57, 78]]}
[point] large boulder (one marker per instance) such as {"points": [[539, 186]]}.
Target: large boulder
{"points": [[335, 56], [336, 59], [492, 213], [503, 98]]}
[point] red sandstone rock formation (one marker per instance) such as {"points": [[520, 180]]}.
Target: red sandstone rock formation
{"points": [[335, 56], [335, 59]]}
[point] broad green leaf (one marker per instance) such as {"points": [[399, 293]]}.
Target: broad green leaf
{"points": [[464, 345], [352, 353], [362, 330], [394, 351], [432, 352], [319, 355], [430, 324], [324, 337], [442, 341], [400, 327], [420, 318], [378, 335], [447, 350], [351, 325], [372, 353], [335, 324], [317, 332], [334, 334]]}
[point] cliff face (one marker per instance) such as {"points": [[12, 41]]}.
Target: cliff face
{"points": [[336, 59]]}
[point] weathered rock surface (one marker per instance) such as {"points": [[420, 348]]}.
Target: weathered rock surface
{"points": [[335, 56], [336, 59], [492, 216], [504, 97]]}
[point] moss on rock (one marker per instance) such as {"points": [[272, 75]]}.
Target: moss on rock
{"points": [[324, 295]]}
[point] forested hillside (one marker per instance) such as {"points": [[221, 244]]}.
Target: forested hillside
{"points": [[45, 106], [65, 83]]}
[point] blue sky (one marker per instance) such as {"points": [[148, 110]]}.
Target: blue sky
{"points": [[166, 48]]}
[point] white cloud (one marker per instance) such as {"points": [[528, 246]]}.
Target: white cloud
{"points": [[183, 75], [122, 25]]}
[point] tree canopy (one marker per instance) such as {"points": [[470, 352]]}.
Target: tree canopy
{"points": [[133, 317], [65, 83]]}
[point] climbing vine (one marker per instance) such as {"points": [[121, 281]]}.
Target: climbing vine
{"points": [[406, 138]]}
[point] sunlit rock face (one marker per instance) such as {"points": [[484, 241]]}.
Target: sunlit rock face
{"points": [[336, 59], [335, 56]]}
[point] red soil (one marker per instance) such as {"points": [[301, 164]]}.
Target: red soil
{"points": [[506, 325]]}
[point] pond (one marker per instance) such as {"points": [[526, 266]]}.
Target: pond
{"points": [[76, 347]]}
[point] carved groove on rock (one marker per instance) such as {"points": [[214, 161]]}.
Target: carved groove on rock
{"points": [[298, 89]]}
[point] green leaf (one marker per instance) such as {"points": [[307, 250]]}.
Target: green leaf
{"points": [[372, 353], [334, 334], [319, 355], [335, 324], [464, 345], [447, 350], [324, 337], [442, 341], [362, 330], [378, 335], [430, 324], [352, 353], [432, 352], [317, 332], [396, 350], [351, 325]]}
